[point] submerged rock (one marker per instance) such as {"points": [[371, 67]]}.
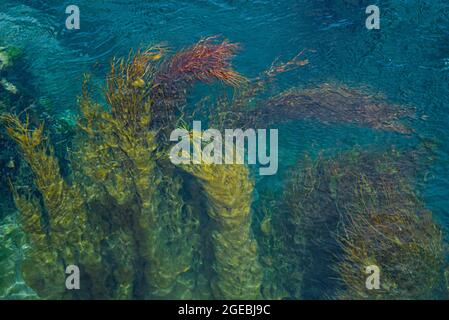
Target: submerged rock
{"points": [[8, 56], [48, 62], [12, 247]]}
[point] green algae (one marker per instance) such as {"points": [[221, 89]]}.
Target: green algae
{"points": [[119, 215], [140, 227], [355, 210]]}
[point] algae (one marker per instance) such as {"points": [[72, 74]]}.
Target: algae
{"points": [[117, 212], [352, 211], [140, 227]]}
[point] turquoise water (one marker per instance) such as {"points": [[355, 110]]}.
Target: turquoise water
{"points": [[407, 60]]}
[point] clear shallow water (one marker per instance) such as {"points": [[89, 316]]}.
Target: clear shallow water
{"points": [[407, 59]]}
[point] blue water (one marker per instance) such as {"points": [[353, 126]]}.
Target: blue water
{"points": [[407, 60]]}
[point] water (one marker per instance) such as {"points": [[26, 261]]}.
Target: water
{"points": [[407, 60]]}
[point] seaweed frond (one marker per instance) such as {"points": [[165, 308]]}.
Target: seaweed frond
{"points": [[228, 190], [205, 61]]}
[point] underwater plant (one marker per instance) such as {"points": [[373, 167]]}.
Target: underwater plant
{"points": [[140, 227], [119, 214], [331, 103], [356, 210], [206, 61], [237, 273], [66, 216]]}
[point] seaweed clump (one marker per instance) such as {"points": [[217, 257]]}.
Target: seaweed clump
{"points": [[343, 214], [67, 242], [237, 273], [331, 103], [205, 61], [118, 212], [139, 226]]}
